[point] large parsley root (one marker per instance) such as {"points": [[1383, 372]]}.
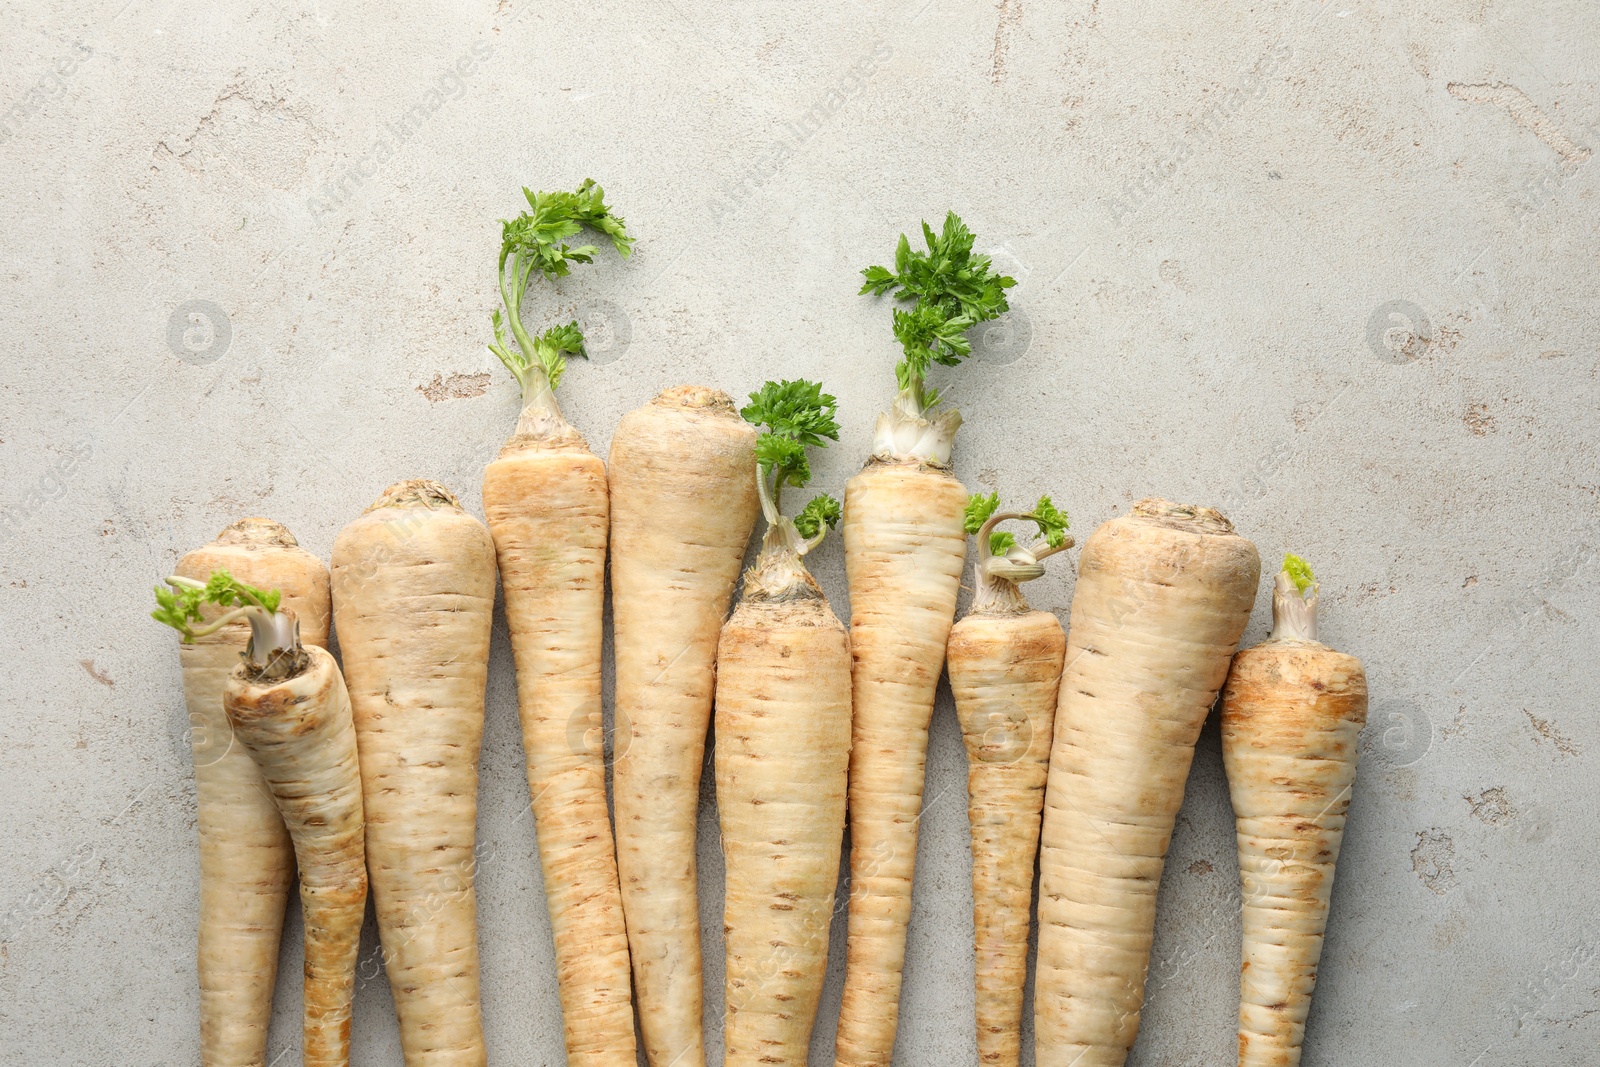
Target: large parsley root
{"points": [[413, 598], [1292, 713], [682, 507], [1162, 598], [1005, 665]]}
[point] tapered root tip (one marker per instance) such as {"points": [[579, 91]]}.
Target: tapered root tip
{"points": [[1195, 518], [429, 494], [257, 531], [697, 396]]}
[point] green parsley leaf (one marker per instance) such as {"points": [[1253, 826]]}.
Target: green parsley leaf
{"points": [[797, 409], [797, 415], [951, 290], [1299, 572], [537, 240], [979, 508], [821, 509], [179, 607], [1052, 522]]}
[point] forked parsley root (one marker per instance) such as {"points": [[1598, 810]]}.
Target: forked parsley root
{"points": [[547, 502], [1005, 665], [782, 750], [904, 549]]}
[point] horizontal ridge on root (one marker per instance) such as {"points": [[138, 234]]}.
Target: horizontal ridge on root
{"points": [[907, 461], [1195, 518], [257, 531], [422, 491]]}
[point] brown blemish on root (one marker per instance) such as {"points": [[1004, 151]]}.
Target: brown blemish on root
{"points": [[257, 531], [1194, 518]]}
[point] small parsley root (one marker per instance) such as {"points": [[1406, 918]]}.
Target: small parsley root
{"points": [[782, 750], [904, 548], [1292, 713], [1162, 597], [1005, 666], [547, 503], [413, 600], [246, 857], [286, 703], [683, 504]]}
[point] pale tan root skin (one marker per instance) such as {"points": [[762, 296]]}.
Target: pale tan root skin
{"points": [[1292, 713], [413, 599], [246, 857], [1162, 598], [300, 733], [546, 502], [782, 753], [1004, 671], [904, 550], [683, 503]]}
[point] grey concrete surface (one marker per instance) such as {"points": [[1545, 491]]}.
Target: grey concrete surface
{"points": [[1327, 265]]}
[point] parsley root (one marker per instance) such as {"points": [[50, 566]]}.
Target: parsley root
{"points": [[1292, 713], [782, 751], [286, 702], [904, 550], [246, 857], [1162, 598], [683, 503], [413, 599], [547, 503], [1005, 667]]}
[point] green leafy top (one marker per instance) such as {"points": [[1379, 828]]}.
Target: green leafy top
{"points": [[179, 606], [819, 511], [952, 290], [1299, 572], [796, 415], [1051, 521], [537, 240]]}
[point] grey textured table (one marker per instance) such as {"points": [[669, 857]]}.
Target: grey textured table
{"points": [[1329, 266]]}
